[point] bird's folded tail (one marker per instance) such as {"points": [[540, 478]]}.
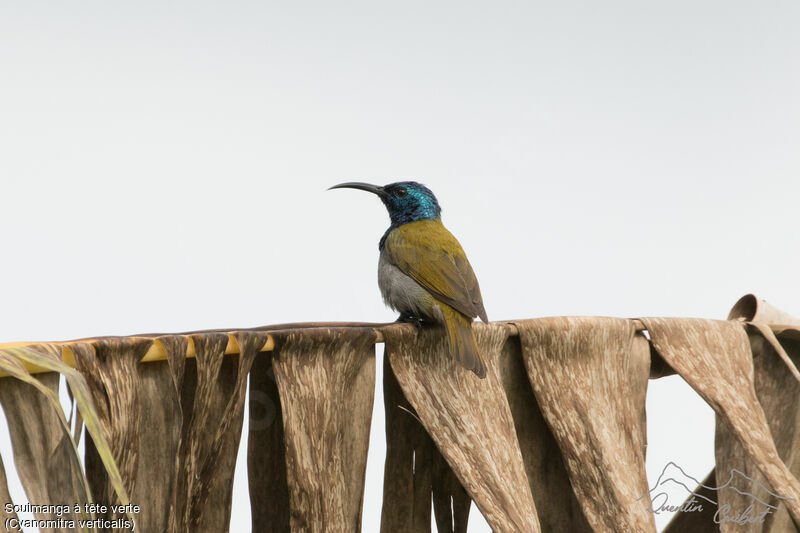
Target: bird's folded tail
{"points": [[462, 340]]}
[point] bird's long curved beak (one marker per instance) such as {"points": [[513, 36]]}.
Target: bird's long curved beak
{"points": [[375, 189]]}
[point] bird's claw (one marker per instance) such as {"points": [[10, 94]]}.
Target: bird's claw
{"points": [[417, 321]]}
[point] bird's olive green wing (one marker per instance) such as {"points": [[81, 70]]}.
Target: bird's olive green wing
{"points": [[431, 256]]}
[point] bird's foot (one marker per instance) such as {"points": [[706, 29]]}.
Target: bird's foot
{"points": [[408, 318]]}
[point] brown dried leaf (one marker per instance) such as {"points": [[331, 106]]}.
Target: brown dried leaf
{"points": [[213, 414], [415, 473], [778, 393], [326, 379], [590, 375], [556, 504], [266, 452], [714, 357], [468, 418]]}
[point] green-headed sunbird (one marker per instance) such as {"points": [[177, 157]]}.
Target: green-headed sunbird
{"points": [[423, 272]]}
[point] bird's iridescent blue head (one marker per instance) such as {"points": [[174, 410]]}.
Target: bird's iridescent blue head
{"points": [[406, 201]]}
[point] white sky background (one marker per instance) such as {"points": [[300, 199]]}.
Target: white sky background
{"points": [[617, 158]]}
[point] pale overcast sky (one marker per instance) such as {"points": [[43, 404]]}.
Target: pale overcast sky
{"points": [[617, 158]]}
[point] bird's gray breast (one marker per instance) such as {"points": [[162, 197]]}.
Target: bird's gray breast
{"points": [[401, 292]]}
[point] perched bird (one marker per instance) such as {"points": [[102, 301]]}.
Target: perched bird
{"points": [[423, 272]]}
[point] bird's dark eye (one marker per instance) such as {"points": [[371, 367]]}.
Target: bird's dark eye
{"points": [[401, 192]]}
